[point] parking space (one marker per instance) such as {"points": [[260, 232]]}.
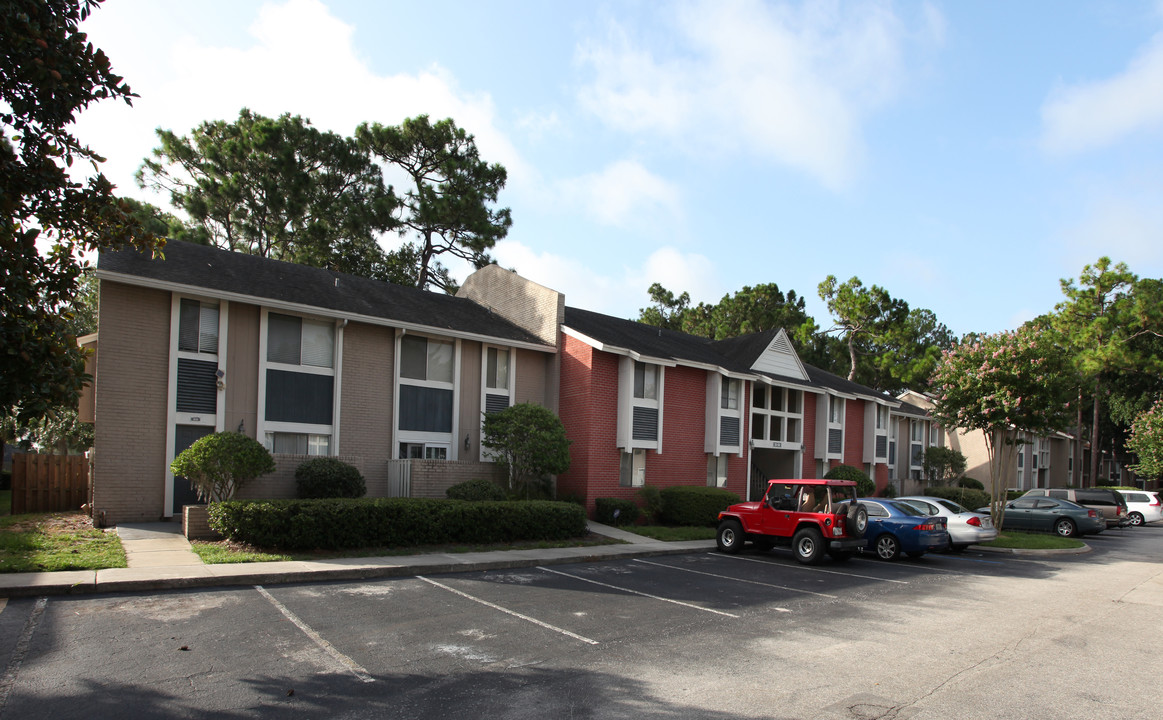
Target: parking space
{"points": [[475, 638]]}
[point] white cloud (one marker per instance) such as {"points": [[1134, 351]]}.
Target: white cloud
{"points": [[1124, 227], [787, 85], [623, 194], [297, 58], [623, 290], [1080, 117]]}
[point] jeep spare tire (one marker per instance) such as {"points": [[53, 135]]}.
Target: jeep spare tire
{"points": [[857, 519]]}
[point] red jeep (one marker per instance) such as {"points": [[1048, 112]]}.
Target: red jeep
{"points": [[817, 516]]}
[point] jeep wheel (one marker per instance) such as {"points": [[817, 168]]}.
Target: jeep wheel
{"points": [[1136, 519], [730, 536], [840, 555], [856, 521], [808, 545], [888, 547], [1065, 528]]}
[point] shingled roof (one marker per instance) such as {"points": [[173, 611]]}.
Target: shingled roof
{"points": [[221, 272]]}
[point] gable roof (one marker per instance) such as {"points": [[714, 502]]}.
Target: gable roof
{"points": [[737, 356], [208, 271]]}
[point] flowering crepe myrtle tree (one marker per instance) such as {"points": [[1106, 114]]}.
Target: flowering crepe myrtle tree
{"points": [[1003, 384], [1146, 441]]}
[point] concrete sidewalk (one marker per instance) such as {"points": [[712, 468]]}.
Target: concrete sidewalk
{"points": [[160, 558]]}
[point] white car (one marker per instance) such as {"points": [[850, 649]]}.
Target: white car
{"points": [[1142, 506], [965, 526]]}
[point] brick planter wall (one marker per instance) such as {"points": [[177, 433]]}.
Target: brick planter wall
{"points": [[196, 523]]}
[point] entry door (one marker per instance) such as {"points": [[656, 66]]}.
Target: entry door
{"points": [[184, 437]]}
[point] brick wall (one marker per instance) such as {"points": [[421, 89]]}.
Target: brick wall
{"points": [[522, 302], [131, 394], [281, 483], [430, 478], [854, 433]]}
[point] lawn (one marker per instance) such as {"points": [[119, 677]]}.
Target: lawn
{"points": [[45, 542], [1033, 541], [673, 534]]}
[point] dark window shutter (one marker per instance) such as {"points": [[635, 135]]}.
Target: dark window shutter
{"points": [[729, 431], [299, 397], [835, 441], [881, 446], [197, 386], [645, 426], [495, 403], [425, 409]]}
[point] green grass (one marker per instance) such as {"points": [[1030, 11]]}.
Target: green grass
{"points": [[214, 553], [34, 543], [1033, 541], [673, 534]]}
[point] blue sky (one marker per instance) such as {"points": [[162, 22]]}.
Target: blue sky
{"points": [[963, 155]]}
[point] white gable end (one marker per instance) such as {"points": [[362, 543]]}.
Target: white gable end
{"points": [[780, 358]]}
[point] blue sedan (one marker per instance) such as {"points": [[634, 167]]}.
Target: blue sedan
{"points": [[895, 527]]}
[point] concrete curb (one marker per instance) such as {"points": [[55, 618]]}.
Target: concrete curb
{"points": [[1027, 551]]}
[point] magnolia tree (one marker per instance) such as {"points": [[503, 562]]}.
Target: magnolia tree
{"points": [[217, 465], [1146, 441], [1002, 385], [528, 441]]}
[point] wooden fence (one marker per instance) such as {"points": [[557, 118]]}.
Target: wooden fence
{"points": [[49, 483]]}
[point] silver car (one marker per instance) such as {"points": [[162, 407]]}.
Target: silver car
{"points": [[965, 526]]}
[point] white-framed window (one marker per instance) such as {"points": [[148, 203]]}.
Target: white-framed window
{"points": [[633, 468], [426, 397], [298, 384], [934, 435], [640, 405], [881, 417], [776, 415], [835, 410], [717, 470], [645, 381], [730, 394]]}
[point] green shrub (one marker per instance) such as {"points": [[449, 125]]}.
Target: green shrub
{"points": [[328, 477], [968, 497], [694, 505], [477, 490], [217, 465], [968, 482], [1105, 482], [889, 491], [615, 511], [651, 503], [865, 487], [334, 524]]}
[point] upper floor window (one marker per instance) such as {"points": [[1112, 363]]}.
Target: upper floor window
{"points": [[835, 409], [424, 358], [645, 381], [730, 394], [197, 327], [497, 369], [917, 429], [299, 341]]}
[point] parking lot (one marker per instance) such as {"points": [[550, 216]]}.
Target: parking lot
{"points": [[703, 635]]}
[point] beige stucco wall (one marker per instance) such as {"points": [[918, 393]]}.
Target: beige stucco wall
{"points": [[131, 395]]}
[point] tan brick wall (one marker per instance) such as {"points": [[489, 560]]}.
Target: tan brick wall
{"points": [[430, 478], [281, 483], [130, 395], [522, 302], [533, 372], [365, 420]]}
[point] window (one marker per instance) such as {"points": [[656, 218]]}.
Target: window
{"points": [[197, 327], [633, 469], [285, 443], [423, 358], [917, 428], [423, 451], [835, 409], [298, 385], [881, 416], [775, 415], [934, 435], [645, 381], [730, 399], [497, 369], [717, 470]]}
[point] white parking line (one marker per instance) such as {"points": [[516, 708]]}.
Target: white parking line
{"points": [[813, 569], [735, 579], [8, 680], [636, 592], [507, 611], [327, 647]]}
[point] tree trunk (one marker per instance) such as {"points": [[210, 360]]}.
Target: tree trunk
{"points": [[1076, 480], [852, 357], [1095, 450]]}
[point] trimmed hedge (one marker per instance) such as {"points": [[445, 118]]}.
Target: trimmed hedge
{"points": [[865, 487], [477, 490], [968, 482], [968, 497], [328, 477], [693, 505], [615, 511], [391, 522]]}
